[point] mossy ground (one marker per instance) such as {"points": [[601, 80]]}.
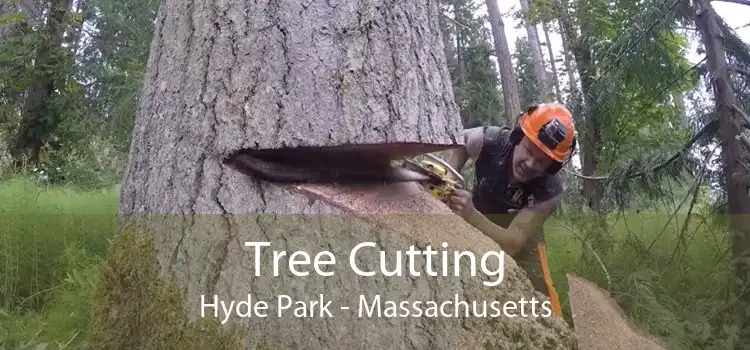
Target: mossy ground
{"points": [[54, 245]]}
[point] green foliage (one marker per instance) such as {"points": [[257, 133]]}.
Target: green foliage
{"points": [[16, 53], [482, 106], [670, 275], [51, 242], [475, 79], [90, 114], [116, 61], [638, 63]]}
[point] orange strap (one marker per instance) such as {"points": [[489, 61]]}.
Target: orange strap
{"points": [[542, 248]]}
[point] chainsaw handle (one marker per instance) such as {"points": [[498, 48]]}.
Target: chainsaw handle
{"points": [[449, 167]]}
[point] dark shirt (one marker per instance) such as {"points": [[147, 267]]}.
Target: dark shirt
{"points": [[493, 194]]}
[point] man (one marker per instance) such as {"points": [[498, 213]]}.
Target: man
{"points": [[514, 166]]}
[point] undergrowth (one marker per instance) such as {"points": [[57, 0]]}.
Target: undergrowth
{"points": [[53, 240]]}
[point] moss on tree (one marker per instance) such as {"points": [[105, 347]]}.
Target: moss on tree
{"points": [[134, 307]]}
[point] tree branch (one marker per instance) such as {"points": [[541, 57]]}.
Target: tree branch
{"points": [[453, 20], [741, 2], [740, 70], [745, 119], [707, 129]]}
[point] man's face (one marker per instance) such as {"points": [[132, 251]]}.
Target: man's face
{"points": [[529, 161]]}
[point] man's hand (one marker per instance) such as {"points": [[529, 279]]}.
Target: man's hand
{"points": [[461, 202]]}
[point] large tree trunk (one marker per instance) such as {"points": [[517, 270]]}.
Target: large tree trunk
{"points": [[508, 80], [732, 156], [293, 74], [536, 54]]}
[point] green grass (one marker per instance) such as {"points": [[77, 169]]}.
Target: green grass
{"points": [[679, 295], [52, 241]]}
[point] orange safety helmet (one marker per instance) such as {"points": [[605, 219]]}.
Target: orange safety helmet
{"points": [[550, 127]]}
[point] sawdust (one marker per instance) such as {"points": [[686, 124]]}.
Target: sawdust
{"points": [[394, 198], [600, 323], [404, 214], [394, 204]]}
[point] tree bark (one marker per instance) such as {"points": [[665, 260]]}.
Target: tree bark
{"points": [[507, 76], [235, 75], [732, 156], [536, 54]]}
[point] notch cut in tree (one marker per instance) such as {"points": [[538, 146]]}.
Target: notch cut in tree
{"points": [[238, 77]]}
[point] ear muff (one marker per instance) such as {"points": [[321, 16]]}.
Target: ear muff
{"points": [[516, 135]]}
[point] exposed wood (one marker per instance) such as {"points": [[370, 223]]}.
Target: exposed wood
{"points": [[600, 323]]}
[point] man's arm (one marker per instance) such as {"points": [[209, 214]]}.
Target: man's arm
{"points": [[473, 139], [527, 222], [530, 220]]}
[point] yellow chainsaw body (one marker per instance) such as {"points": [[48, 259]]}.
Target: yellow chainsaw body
{"points": [[447, 184]]}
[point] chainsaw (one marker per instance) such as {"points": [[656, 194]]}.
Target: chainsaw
{"points": [[330, 165], [443, 178]]}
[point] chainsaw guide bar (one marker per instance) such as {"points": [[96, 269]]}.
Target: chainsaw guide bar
{"points": [[321, 168], [346, 167]]}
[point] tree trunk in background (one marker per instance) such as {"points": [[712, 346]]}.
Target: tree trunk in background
{"points": [[289, 75], [679, 103], [553, 63], [536, 54], [732, 156], [508, 78], [7, 30], [589, 136], [37, 118], [31, 13], [450, 58], [569, 67]]}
